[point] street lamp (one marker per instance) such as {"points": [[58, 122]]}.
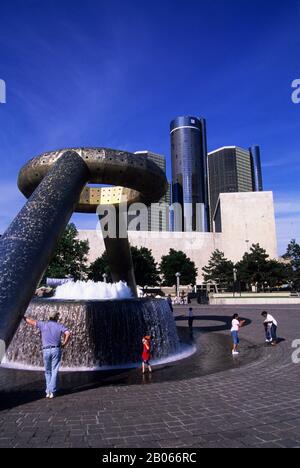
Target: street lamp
{"points": [[247, 244], [234, 280], [105, 276], [178, 275]]}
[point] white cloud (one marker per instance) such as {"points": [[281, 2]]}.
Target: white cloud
{"points": [[287, 207], [287, 229], [289, 158]]}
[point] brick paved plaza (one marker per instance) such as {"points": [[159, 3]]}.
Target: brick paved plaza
{"points": [[208, 400]]}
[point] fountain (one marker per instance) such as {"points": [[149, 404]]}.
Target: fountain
{"points": [[107, 321], [89, 290]]}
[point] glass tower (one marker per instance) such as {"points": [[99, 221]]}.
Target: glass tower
{"points": [[256, 169], [230, 169], [189, 172]]}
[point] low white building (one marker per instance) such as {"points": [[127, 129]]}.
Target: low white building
{"points": [[242, 219]]}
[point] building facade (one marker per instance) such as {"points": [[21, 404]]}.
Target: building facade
{"points": [[156, 218], [189, 173], [230, 170], [245, 219]]}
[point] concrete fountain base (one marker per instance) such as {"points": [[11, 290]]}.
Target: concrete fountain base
{"points": [[105, 334]]}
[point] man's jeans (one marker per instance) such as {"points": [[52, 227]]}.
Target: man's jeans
{"points": [[268, 334], [52, 358], [274, 332]]}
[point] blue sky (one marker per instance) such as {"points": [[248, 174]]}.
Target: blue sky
{"points": [[114, 73]]}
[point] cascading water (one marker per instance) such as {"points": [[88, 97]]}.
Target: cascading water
{"points": [[89, 290], [105, 333]]}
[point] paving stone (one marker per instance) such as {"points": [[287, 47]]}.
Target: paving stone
{"points": [[256, 404]]}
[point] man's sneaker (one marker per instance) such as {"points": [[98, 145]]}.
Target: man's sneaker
{"points": [[47, 395], [51, 396], [235, 353]]}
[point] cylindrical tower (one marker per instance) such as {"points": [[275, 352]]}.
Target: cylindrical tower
{"points": [[189, 171], [256, 169]]}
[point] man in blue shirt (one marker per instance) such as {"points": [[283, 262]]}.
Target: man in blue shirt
{"points": [[55, 336]]}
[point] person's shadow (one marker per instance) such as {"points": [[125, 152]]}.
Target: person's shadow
{"points": [[225, 320]]}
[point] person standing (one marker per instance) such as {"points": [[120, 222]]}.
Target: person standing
{"points": [[146, 354], [268, 333], [169, 299], [271, 322], [236, 324], [182, 297], [55, 336], [190, 318]]}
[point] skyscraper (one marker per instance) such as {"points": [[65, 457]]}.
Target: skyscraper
{"points": [[256, 169], [189, 171], [158, 216], [230, 169]]}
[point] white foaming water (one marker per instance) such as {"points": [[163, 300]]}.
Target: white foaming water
{"points": [[88, 290], [185, 353]]}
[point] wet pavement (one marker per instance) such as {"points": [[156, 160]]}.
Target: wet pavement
{"points": [[209, 399]]}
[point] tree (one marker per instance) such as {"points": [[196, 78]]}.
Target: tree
{"points": [[257, 268], [98, 268], [293, 255], [145, 267], [70, 257], [277, 273], [252, 269], [177, 262], [219, 270]]}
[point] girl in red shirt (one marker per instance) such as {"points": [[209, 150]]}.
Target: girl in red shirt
{"points": [[146, 353]]}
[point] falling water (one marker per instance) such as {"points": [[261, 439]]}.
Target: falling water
{"points": [[104, 333]]}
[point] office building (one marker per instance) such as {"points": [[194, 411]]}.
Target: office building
{"points": [[256, 169], [244, 218], [230, 170], [157, 216], [189, 173]]}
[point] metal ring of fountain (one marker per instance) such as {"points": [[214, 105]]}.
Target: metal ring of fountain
{"points": [[136, 179]]}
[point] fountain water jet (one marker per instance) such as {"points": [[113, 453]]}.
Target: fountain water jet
{"points": [[89, 290]]}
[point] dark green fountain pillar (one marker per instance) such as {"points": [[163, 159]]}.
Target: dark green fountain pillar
{"points": [[28, 244], [119, 253]]}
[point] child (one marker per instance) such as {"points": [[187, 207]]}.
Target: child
{"points": [[236, 324], [146, 353]]}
